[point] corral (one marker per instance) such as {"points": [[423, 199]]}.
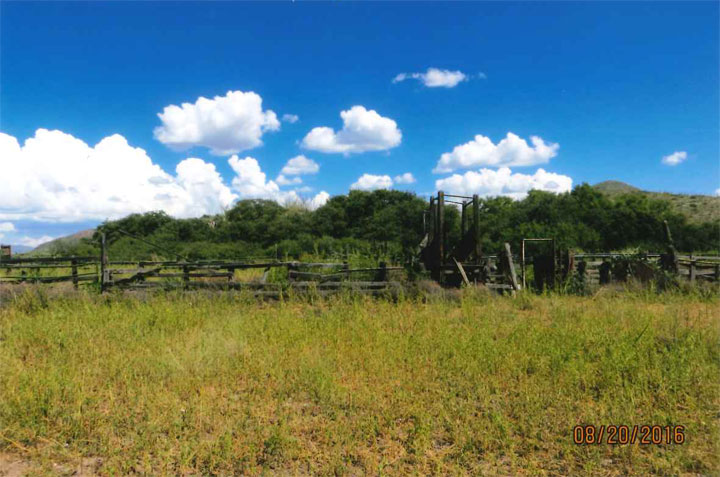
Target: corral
{"points": [[539, 265], [464, 263]]}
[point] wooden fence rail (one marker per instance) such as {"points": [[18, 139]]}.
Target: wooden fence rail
{"points": [[301, 276]]}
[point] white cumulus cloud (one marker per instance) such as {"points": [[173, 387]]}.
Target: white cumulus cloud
{"points": [[319, 200], [225, 124], [435, 78], [363, 130], [300, 165], [372, 182], [34, 241], [488, 182], [290, 118], [6, 227], [406, 178], [675, 158], [282, 180], [56, 177], [250, 182], [510, 151]]}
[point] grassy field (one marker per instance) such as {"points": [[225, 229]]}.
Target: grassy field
{"points": [[217, 384]]}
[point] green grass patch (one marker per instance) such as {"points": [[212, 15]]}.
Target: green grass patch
{"points": [[216, 384]]}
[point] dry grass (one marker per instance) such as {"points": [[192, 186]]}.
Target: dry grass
{"points": [[218, 384]]}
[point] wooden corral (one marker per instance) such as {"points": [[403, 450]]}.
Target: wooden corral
{"points": [[5, 252], [299, 277], [464, 263], [541, 265]]}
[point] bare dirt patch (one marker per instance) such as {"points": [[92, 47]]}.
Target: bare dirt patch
{"points": [[18, 466]]}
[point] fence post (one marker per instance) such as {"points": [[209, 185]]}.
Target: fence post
{"points": [[383, 272], [476, 226], [104, 272], [511, 267], [73, 264], [522, 264], [186, 275], [441, 227], [691, 275]]}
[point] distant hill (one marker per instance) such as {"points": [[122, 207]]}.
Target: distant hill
{"points": [[615, 188], [697, 208], [54, 246]]}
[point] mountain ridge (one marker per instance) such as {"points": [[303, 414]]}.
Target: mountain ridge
{"points": [[697, 208]]}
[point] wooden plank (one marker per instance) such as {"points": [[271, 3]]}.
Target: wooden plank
{"points": [[306, 275], [191, 270], [707, 273], [343, 284], [189, 275], [42, 267], [319, 265], [48, 260], [499, 286], [137, 276], [462, 272], [64, 278], [511, 265], [215, 285]]}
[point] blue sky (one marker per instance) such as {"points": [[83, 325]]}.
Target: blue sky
{"points": [[609, 88]]}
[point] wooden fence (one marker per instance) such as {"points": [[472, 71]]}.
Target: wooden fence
{"points": [[692, 268], [250, 275], [256, 276]]}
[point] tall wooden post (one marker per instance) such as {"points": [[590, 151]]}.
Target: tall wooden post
{"points": [[104, 272], [463, 221], [382, 275], [668, 235], [522, 264], [186, 275], [73, 264], [511, 267], [476, 226], [691, 275], [433, 219], [670, 261], [441, 232], [553, 274]]}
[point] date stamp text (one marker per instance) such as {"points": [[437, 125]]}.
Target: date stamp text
{"points": [[622, 435]]}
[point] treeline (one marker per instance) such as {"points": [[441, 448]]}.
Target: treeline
{"points": [[390, 223]]}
